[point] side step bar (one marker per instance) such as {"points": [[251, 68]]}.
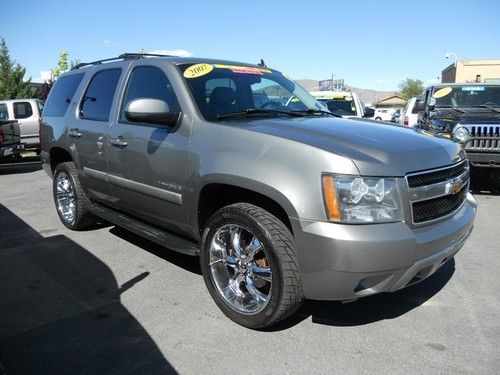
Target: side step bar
{"points": [[169, 240]]}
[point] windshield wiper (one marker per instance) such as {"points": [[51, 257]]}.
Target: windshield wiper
{"points": [[451, 107], [316, 111], [486, 106], [251, 111]]}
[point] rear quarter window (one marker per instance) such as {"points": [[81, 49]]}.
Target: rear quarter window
{"points": [[61, 95]]}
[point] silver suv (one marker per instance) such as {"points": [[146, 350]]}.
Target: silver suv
{"points": [[27, 113], [280, 199]]}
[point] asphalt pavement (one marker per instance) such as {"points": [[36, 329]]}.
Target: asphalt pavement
{"points": [[108, 301]]}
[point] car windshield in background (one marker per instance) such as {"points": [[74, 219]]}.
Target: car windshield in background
{"points": [[467, 96], [340, 106], [220, 89]]}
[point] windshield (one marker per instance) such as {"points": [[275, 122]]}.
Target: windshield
{"points": [[223, 89], [467, 96], [340, 106]]}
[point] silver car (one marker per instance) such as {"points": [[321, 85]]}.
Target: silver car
{"points": [[28, 113], [239, 165]]}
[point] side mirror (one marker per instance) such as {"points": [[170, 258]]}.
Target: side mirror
{"points": [[152, 111], [369, 112], [420, 105]]}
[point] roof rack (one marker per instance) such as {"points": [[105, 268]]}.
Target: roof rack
{"points": [[123, 56]]}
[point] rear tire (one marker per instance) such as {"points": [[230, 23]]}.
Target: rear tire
{"points": [[249, 266], [70, 200]]}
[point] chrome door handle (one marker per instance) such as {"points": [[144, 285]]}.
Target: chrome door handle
{"points": [[119, 142], [75, 133]]}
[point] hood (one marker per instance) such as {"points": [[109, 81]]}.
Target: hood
{"points": [[446, 118], [376, 149]]}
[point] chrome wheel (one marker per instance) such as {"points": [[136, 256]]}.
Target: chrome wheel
{"points": [[240, 269], [65, 197]]}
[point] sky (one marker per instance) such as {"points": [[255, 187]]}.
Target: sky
{"points": [[369, 44]]}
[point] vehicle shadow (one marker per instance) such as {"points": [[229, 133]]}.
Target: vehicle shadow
{"points": [[374, 308], [60, 309]]}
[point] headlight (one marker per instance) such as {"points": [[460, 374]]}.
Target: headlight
{"points": [[358, 200], [460, 134]]}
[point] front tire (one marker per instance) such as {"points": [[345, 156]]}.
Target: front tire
{"points": [[70, 200], [249, 266]]}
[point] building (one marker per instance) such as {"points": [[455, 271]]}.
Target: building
{"points": [[394, 101], [472, 71]]}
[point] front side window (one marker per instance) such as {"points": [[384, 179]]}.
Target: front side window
{"points": [[98, 98], [149, 82], [220, 90], [4, 114], [22, 110], [61, 94]]}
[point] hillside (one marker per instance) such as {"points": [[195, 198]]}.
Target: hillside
{"points": [[366, 95]]}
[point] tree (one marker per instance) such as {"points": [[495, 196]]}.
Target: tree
{"points": [[12, 85], [62, 65], [410, 88]]}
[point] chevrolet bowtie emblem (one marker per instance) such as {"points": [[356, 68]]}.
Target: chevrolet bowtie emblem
{"points": [[456, 185]]}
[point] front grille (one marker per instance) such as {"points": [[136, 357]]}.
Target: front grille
{"points": [[434, 208], [436, 176], [437, 193], [483, 138]]}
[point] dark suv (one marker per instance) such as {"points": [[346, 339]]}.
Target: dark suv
{"points": [[468, 113]]}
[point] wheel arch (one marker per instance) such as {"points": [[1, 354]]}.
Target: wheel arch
{"points": [[58, 155], [214, 195]]}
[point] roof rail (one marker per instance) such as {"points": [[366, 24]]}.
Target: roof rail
{"points": [[123, 56]]}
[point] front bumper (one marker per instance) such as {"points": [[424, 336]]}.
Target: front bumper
{"points": [[486, 159], [342, 262]]}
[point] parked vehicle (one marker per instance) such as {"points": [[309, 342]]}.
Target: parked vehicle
{"points": [[384, 114], [468, 113], [9, 139], [280, 202], [342, 103], [409, 116], [27, 112]]}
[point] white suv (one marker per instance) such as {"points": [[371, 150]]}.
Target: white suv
{"points": [[409, 117], [384, 114], [28, 113]]}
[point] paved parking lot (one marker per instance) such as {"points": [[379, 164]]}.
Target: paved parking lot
{"points": [[107, 301]]}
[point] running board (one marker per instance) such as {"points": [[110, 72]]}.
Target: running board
{"points": [[161, 237]]}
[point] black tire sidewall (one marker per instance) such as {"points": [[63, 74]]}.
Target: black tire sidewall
{"points": [[235, 216]]}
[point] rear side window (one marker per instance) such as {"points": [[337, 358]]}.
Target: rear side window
{"points": [[4, 114], [97, 101], [149, 82], [22, 110], [61, 94]]}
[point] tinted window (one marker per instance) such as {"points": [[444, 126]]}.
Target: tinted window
{"points": [[61, 94], [150, 82], [97, 101], [22, 110], [4, 115]]}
